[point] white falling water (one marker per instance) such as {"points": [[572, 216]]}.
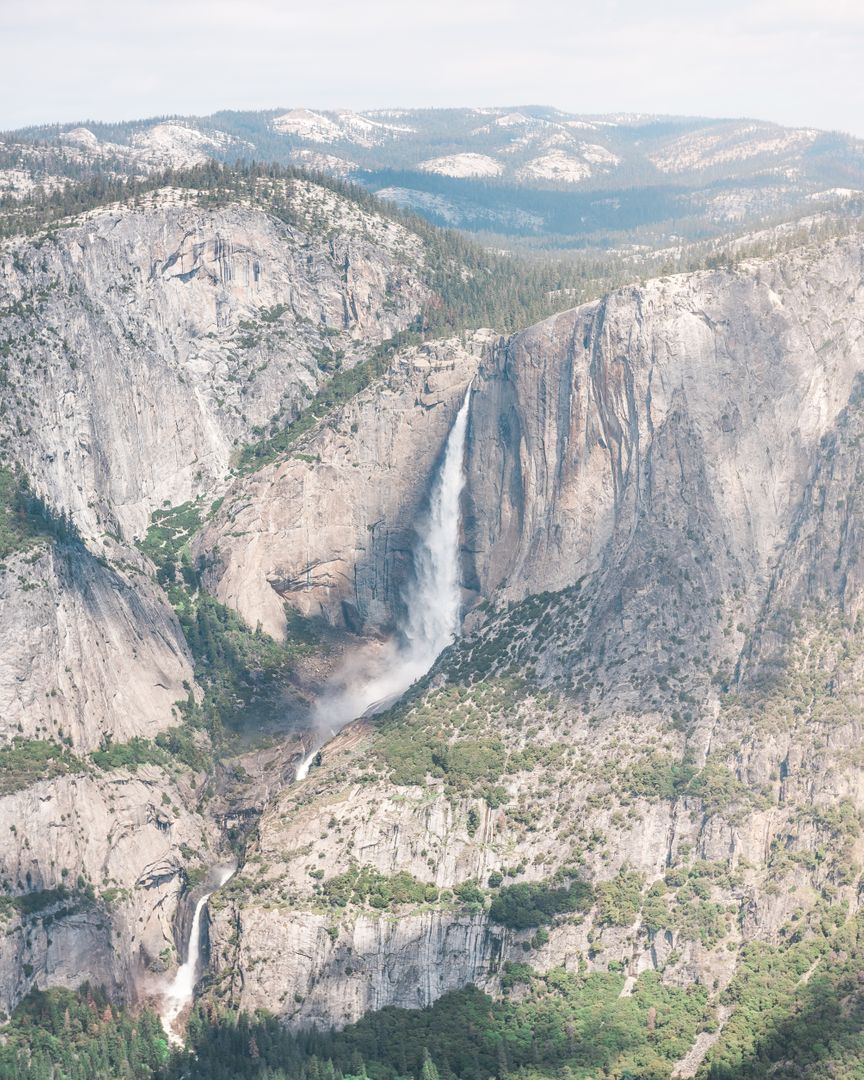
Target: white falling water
{"points": [[179, 994], [303, 767], [378, 676], [434, 601]]}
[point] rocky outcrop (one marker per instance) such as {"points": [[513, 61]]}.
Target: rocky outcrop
{"points": [[144, 344], [315, 973], [820, 574], [711, 387], [96, 864]]}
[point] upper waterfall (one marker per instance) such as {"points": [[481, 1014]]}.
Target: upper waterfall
{"points": [[433, 602], [432, 605]]}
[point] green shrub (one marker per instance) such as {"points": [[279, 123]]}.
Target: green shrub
{"points": [[469, 892], [129, 755], [25, 519], [532, 904], [619, 900], [180, 743]]}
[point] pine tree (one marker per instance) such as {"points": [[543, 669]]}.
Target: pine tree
{"points": [[429, 1071]]}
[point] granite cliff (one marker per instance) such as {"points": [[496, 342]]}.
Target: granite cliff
{"points": [[656, 692], [142, 346], [642, 755]]}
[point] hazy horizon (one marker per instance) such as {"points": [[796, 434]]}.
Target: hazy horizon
{"points": [[187, 57], [370, 109]]}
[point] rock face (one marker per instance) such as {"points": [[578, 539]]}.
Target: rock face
{"points": [[140, 347], [714, 386], [88, 652], [330, 531], [660, 443], [96, 860], [329, 968], [164, 335], [316, 980]]}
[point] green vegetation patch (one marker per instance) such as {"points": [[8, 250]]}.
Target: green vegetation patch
{"points": [[797, 1011], [722, 792], [25, 520], [129, 755], [43, 900], [683, 902], [66, 1035], [620, 900], [660, 776], [26, 761], [798, 1007], [245, 673], [181, 743], [531, 904], [464, 764], [564, 1025], [366, 886], [441, 734], [169, 532]]}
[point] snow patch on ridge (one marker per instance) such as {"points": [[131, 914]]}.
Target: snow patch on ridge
{"points": [[305, 124], [170, 144], [462, 165], [346, 127], [556, 165], [179, 145], [327, 163], [706, 149]]}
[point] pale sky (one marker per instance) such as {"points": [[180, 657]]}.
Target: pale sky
{"points": [[798, 62]]}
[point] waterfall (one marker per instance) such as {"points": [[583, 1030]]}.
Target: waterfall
{"points": [[303, 767], [433, 603], [179, 994], [369, 682]]}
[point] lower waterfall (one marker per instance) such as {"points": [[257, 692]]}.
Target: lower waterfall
{"points": [[179, 994]]}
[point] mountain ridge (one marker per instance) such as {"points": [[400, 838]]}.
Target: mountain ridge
{"points": [[565, 179]]}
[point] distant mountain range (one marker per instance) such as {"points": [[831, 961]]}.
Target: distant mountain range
{"points": [[548, 177]]}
